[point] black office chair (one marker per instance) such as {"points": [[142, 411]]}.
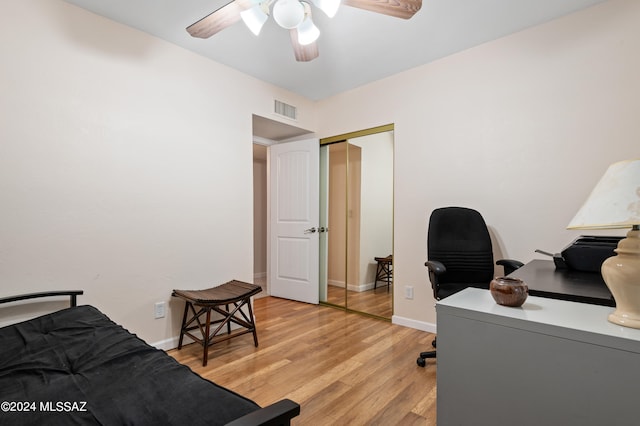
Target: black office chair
{"points": [[460, 255]]}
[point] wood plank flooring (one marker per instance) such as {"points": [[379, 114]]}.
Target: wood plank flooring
{"points": [[342, 368], [377, 301]]}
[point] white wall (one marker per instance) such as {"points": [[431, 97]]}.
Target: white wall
{"points": [[125, 164], [520, 128]]}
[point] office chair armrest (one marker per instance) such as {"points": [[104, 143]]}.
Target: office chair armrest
{"points": [[509, 265], [435, 267], [435, 270]]}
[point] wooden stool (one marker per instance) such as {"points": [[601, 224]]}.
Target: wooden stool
{"points": [[236, 293], [384, 271]]}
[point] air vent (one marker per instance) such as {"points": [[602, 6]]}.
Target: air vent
{"points": [[285, 110]]}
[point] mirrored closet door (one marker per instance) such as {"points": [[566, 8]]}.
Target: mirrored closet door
{"points": [[356, 213]]}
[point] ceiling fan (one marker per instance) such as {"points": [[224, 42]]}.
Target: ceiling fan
{"points": [[294, 15]]}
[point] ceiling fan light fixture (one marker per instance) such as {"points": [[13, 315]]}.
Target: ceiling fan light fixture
{"points": [[307, 31], [288, 13], [329, 7], [254, 18]]}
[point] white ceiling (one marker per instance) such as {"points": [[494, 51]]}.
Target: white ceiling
{"points": [[356, 46]]}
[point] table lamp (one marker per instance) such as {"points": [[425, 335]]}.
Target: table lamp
{"points": [[615, 203]]}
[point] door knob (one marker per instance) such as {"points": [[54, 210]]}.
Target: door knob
{"points": [[310, 230]]}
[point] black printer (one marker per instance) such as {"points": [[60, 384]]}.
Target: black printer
{"points": [[586, 253]]}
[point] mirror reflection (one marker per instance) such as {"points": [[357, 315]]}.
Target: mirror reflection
{"points": [[357, 208]]}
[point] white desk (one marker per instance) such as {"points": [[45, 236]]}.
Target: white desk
{"points": [[550, 362]]}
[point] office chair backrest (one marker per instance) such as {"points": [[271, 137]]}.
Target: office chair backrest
{"points": [[459, 239]]}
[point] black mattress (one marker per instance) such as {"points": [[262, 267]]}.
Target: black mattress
{"points": [[76, 366]]}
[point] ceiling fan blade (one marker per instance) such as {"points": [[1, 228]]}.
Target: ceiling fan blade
{"points": [[404, 9], [220, 19], [304, 53]]}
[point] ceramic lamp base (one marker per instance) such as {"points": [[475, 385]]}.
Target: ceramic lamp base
{"points": [[621, 273]]}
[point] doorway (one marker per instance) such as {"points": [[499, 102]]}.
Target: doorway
{"points": [[260, 206], [266, 132]]}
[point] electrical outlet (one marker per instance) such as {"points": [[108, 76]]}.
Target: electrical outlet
{"points": [[408, 292], [160, 309]]}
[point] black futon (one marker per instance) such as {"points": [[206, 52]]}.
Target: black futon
{"points": [[76, 366]]}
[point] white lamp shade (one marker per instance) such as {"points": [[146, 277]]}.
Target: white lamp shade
{"points": [[307, 32], [288, 13], [329, 7], [254, 18], [615, 201]]}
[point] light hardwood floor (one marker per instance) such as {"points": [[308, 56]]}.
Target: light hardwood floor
{"points": [[375, 301], [342, 368]]}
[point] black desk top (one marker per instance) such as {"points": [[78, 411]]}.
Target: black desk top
{"points": [[544, 280]]}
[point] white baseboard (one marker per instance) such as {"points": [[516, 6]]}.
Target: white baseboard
{"points": [[170, 343], [351, 287], [336, 283], [365, 287], [411, 323]]}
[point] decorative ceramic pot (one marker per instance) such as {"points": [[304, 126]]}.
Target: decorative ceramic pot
{"points": [[509, 291]]}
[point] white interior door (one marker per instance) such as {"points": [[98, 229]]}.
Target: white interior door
{"points": [[294, 220]]}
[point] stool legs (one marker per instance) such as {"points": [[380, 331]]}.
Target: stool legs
{"points": [[383, 273], [253, 325], [228, 314], [184, 321], [206, 338]]}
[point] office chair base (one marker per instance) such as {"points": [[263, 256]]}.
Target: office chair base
{"points": [[422, 359]]}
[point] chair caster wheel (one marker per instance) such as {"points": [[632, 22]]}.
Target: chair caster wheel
{"points": [[421, 362]]}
